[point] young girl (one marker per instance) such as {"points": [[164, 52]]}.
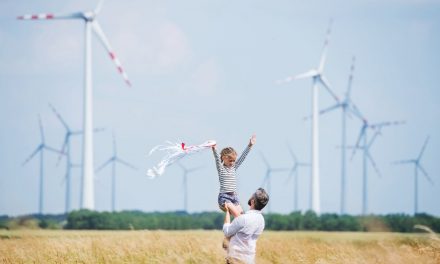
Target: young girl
{"points": [[227, 165]]}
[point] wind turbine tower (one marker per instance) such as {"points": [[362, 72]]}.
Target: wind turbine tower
{"points": [[348, 107], [185, 183], [317, 77], [113, 160], [268, 176], [67, 152], [377, 128], [91, 24], [417, 167], [40, 149], [294, 173]]}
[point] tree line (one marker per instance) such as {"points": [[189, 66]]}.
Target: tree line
{"points": [[137, 220]]}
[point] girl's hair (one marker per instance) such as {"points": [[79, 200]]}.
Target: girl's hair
{"points": [[227, 151]]}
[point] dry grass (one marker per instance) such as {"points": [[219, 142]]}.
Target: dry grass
{"points": [[34, 246]]}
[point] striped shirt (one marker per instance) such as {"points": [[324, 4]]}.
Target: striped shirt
{"points": [[227, 176]]}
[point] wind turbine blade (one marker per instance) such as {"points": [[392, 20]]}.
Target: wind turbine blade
{"points": [[292, 170], [114, 144], [38, 149], [103, 165], [304, 75], [423, 148], [324, 49], [59, 117], [350, 78], [307, 74], [98, 7], [356, 146], [331, 108], [64, 179], [48, 16], [385, 124], [326, 84], [63, 147], [324, 111], [100, 34], [41, 129], [373, 139], [292, 153], [126, 164], [425, 173], [279, 169], [355, 110], [264, 160], [53, 150], [285, 80], [402, 162], [373, 163]]}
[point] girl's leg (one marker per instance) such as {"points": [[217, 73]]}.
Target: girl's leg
{"points": [[235, 210]]}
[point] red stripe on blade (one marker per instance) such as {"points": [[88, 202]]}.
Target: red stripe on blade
{"points": [[34, 17], [112, 55], [49, 16], [120, 70]]}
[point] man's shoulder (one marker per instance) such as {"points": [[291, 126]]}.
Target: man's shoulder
{"points": [[253, 214]]}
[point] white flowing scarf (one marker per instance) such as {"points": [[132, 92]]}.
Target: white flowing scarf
{"points": [[174, 152]]}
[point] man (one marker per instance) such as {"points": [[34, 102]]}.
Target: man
{"points": [[245, 229]]}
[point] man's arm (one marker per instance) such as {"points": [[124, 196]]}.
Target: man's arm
{"points": [[230, 229], [243, 155]]}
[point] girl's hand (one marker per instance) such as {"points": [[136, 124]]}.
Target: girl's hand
{"points": [[253, 140]]}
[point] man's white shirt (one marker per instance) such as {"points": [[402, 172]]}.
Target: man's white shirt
{"points": [[244, 232]]}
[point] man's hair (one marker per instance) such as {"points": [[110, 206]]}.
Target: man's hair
{"points": [[261, 198], [228, 151]]}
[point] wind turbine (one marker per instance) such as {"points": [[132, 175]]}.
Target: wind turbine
{"points": [[185, 183], [317, 77], [113, 160], [294, 172], [40, 149], [367, 156], [91, 24], [417, 166], [268, 176], [347, 106], [66, 150]]}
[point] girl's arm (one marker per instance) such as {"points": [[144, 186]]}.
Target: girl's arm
{"points": [[218, 162], [243, 155]]}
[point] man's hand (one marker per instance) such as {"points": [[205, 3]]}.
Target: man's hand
{"points": [[253, 140]]}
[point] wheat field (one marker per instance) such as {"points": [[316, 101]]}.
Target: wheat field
{"points": [[41, 246]]}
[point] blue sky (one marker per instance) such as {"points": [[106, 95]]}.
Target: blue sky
{"points": [[206, 70]]}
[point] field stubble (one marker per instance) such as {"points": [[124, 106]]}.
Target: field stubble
{"points": [[37, 246]]}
